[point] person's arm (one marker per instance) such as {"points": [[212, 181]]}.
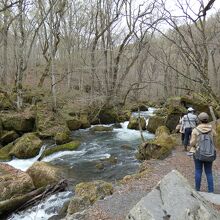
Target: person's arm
{"points": [[214, 137]]}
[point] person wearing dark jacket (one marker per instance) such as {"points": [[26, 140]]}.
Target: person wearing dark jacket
{"points": [[204, 127]]}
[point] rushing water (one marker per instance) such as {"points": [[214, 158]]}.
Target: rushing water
{"points": [[81, 165]]}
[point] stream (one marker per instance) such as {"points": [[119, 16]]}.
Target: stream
{"points": [[113, 150]]}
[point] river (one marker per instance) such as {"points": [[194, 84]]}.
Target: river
{"points": [[81, 165]]}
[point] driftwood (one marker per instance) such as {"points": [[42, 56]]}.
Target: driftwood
{"points": [[32, 198], [51, 189]]}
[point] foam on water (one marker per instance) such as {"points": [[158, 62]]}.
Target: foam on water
{"points": [[24, 164], [45, 209], [63, 153]]}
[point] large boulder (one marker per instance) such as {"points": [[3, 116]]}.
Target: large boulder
{"points": [[19, 122], [108, 116], [173, 198], [134, 123], [44, 174], [5, 101], [154, 122], [173, 116], [78, 204], [73, 145], [158, 148], [8, 137], [27, 146], [84, 119], [4, 152], [13, 182], [94, 190], [51, 124]]}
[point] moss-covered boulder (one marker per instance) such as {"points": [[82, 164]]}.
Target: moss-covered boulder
{"points": [[50, 124], [78, 204], [44, 174], [173, 116], [13, 182], [108, 116], [8, 136], [158, 148], [124, 115], [154, 122], [141, 107], [19, 122], [62, 137], [134, 123], [101, 128], [4, 152], [5, 101], [27, 146], [84, 119], [94, 190], [73, 123], [73, 145]]}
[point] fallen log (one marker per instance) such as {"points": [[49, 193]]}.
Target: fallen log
{"points": [[32, 198]]}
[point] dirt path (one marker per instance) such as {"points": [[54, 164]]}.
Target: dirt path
{"points": [[117, 206]]}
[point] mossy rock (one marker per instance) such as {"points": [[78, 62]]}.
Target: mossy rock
{"points": [[94, 190], [48, 123], [161, 112], [108, 116], [13, 182], [158, 148], [5, 101], [173, 116], [62, 137], [134, 123], [154, 122], [141, 106], [73, 145], [124, 115], [4, 152], [101, 128], [44, 174], [19, 122], [78, 204], [73, 123], [27, 146], [84, 119], [8, 137]]}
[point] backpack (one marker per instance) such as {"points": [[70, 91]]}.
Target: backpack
{"points": [[206, 148]]}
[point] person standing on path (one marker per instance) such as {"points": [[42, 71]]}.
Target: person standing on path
{"points": [[203, 128], [189, 121]]}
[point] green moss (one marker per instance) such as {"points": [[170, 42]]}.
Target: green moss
{"points": [[134, 123], [108, 116], [5, 102], [27, 146], [4, 152], [62, 137], [155, 122], [94, 190], [73, 145]]}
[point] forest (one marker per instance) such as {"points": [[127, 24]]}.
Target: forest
{"points": [[109, 51]]}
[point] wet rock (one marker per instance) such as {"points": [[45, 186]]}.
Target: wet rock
{"points": [[27, 146], [158, 148], [44, 174], [78, 204], [100, 166], [124, 115], [134, 123], [155, 122], [117, 125], [108, 116], [101, 128], [4, 152], [62, 137], [94, 190], [173, 198], [49, 124], [73, 145], [13, 182], [19, 122], [8, 137], [73, 123], [126, 147]]}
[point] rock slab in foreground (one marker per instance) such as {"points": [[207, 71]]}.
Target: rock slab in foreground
{"points": [[173, 199]]}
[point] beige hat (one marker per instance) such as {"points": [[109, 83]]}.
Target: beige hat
{"points": [[203, 116]]}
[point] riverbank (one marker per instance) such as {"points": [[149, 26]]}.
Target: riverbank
{"points": [[117, 206]]}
